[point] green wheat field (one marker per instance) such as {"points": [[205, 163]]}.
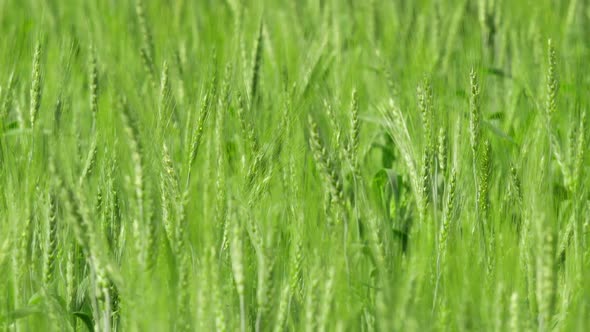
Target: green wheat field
{"points": [[308, 165]]}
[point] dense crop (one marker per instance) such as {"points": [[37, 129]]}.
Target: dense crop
{"points": [[294, 165]]}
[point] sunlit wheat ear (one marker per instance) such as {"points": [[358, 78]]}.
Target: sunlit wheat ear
{"points": [[168, 187], [256, 65], [147, 47], [183, 299], [25, 233], [354, 121], [164, 98], [326, 300], [197, 135], [552, 88], [215, 289], [164, 88], [135, 149], [282, 313], [425, 181], [237, 265], [442, 149], [515, 317], [337, 140], [484, 179], [247, 129], [578, 168], [15, 267], [51, 245], [449, 212], [311, 300], [295, 264], [425, 106], [326, 165], [355, 129], [35, 85], [201, 300], [572, 137], [398, 130], [5, 250], [146, 50], [93, 84], [7, 97], [474, 115], [546, 279], [552, 82], [220, 176], [474, 142], [71, 280], [89, 241], [20, 116], [265, 267], [181, 221], [90, 161], [148, 67]]}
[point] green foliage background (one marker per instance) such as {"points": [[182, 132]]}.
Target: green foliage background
{"points": [[288, 165]]}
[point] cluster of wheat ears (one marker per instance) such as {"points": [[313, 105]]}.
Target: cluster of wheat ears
{"points": [[269, 166]]}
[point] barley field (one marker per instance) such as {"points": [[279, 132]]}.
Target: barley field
{"points": [[309, 165]]}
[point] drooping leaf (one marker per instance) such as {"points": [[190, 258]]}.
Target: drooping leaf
{"points": [[86, 319]]}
